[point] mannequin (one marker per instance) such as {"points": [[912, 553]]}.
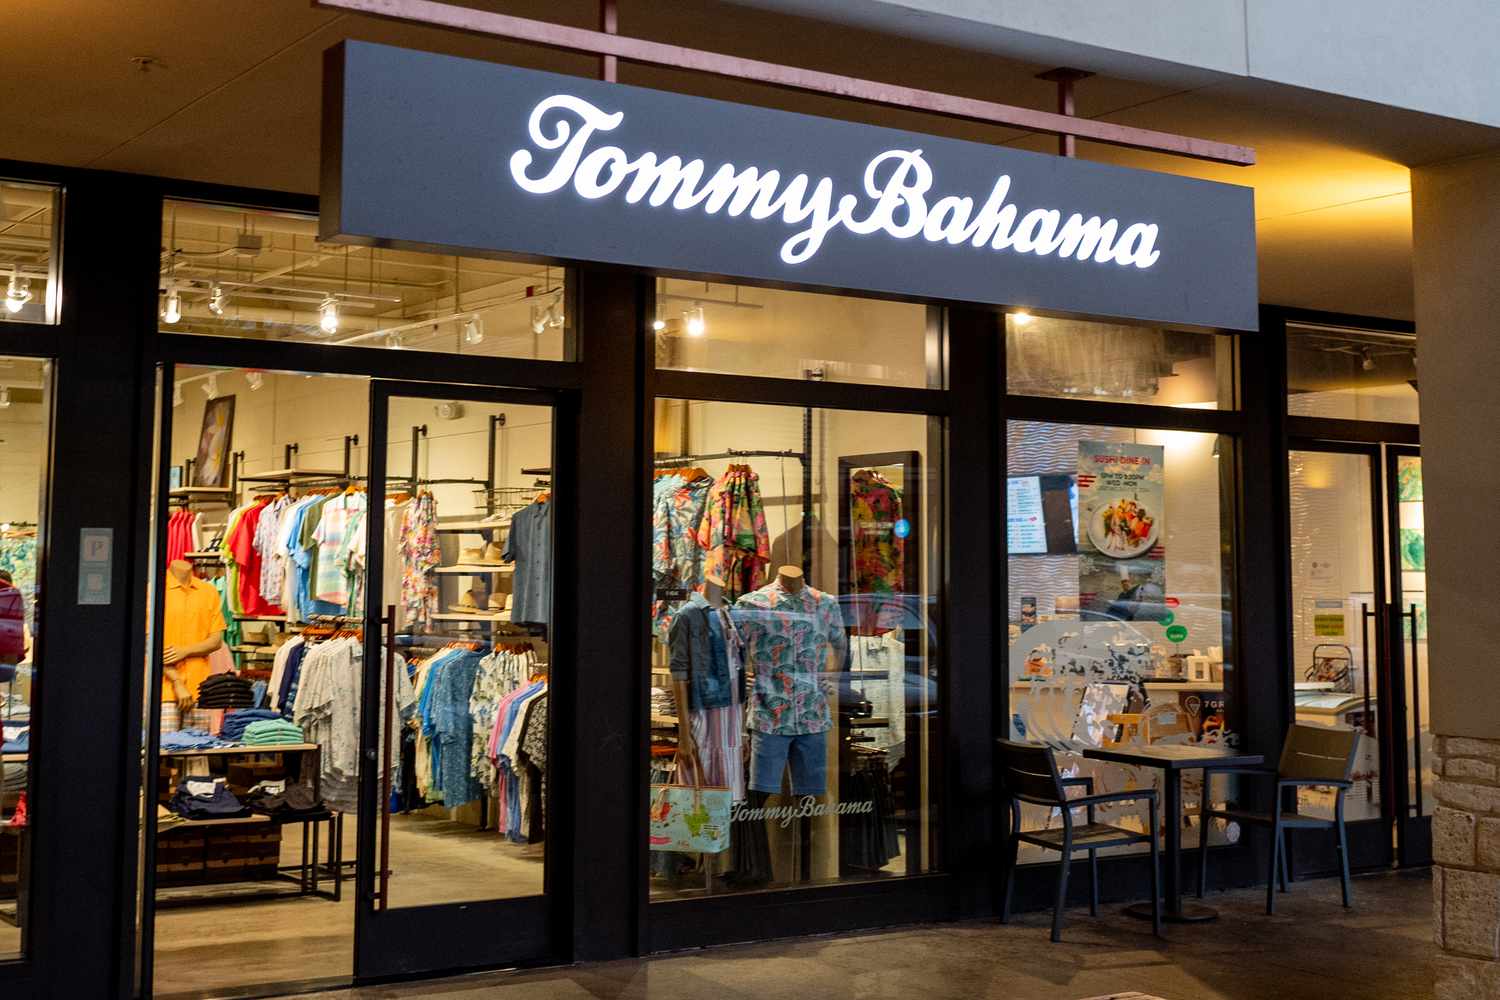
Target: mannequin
{"points": [[687, 744], [790, 578], [192, 627]]}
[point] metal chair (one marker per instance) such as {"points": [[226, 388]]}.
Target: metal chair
{"points": [[1313, 756], [1029, 774]]}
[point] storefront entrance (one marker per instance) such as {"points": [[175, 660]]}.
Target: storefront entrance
{"points": [[1359, 637]]}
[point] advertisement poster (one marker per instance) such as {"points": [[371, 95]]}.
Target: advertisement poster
{"points": [[1122, 573], [1025, 529]]}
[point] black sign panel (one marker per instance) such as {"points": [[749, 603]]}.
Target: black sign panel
{"points": [[428, 150]]}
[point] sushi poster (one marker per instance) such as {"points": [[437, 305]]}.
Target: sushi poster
{"points": [[1121, 530]]}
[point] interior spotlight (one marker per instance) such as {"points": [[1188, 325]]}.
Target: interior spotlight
{"points": [[538, 318], [4, 396], [211, 386], [473, 330], [393, 340], [1021, 318], [658, 325], [696, 325], [328, 315], [256, 380], [216, 301], [1366, 361], [555, 312], [17, 292], [171, 310]]}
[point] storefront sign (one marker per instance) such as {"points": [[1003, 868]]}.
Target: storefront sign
{"points": [[426, 150], [1121, 532]]}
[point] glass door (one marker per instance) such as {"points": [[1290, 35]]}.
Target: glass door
{"points": [[453, 825], [1340, 629], [1408, 559]]}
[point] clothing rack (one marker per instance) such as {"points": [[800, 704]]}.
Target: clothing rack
{"points": [[804, 457]]}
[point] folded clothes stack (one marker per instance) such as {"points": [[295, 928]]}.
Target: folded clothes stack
{"points": [[270, 732], [190, 739], [237, 721], [206, 798], [662, 702], [283, 801], [225, 691]]}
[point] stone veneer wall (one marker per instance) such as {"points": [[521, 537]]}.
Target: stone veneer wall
{"points": [[1466, 868]]}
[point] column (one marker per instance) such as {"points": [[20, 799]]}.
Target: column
{"points": [[1456, 219]]}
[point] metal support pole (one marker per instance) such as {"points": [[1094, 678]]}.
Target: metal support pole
{"points": [[418, 432], [1067, 143]]}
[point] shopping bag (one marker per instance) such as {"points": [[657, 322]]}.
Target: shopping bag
{"points": [[689, 817]]}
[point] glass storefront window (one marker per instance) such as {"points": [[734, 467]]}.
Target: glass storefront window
{"points": [[28, 252], [1119, 601], [25, 431], [795, 671], [1076, 359], [741, 330], [234, 272], [1351, 374]]}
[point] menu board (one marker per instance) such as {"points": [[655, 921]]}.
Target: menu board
{"points": [[1026, 529]]}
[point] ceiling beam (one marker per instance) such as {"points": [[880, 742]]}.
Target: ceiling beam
{"points": [[602, 43]]}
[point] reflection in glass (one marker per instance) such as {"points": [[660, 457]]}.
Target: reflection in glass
{"points": [[1120, 587], [794, 679], [1351, 374], [233, 272], [28, 253]]}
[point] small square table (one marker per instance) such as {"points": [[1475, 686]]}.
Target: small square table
{"points": [[1172, 760]]}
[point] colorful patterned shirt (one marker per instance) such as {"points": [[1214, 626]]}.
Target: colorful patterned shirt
{"points": [[733, 532], [875, 508], [793, 643]]}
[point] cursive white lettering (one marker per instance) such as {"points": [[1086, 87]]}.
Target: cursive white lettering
{"points": [[896, 183]]}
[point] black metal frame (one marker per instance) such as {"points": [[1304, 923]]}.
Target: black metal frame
{"points": [[1413, 828], [106, 419]]}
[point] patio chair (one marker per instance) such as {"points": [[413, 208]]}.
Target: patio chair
{"points": [[1029, 774], [1312, 756]]}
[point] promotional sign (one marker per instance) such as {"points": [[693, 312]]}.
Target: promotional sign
{"points": [[1121, 553], [433, 151]]}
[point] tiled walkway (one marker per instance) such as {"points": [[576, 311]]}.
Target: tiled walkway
{"points": [[1311, 950]]}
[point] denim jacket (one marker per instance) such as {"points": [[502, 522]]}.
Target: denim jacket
{"points": [[700, 655]]}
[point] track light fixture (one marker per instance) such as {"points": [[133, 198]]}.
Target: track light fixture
{"points": [[538, 318], [697, 326], [394, 341], [4, 396], [1366, 359], [17, 292], [328, 315], [171, 310], [176, 394], [256, 380], [216, 300], [211, 386], [473, 330]]}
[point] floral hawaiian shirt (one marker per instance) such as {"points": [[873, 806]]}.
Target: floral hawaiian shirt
{"points": [[793, 643], [875, 509], [733, 532]]}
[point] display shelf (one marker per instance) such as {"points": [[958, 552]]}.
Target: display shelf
{"points": [[663, 721], [473, 570], [259, 618], [203, 492], [253, 650], [471, 527], [181, 822], [226, 751], [1150, 685], [459, 616], [203, 555]]}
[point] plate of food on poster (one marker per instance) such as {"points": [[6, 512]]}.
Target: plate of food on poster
{"points": [[1123, 527]]}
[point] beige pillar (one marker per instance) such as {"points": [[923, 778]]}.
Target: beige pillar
{"points": [[1456, 253]]}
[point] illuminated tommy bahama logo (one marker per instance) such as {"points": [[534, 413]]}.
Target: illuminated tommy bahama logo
{"points": [[895, 200]]}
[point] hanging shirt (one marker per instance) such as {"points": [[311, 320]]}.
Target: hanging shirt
{"points": [[529, 546], [875, 511], [792, 643], [272, 561], [733, 532], [420, 555], [330, 581]]}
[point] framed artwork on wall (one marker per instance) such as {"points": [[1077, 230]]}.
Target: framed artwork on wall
{"points": [[211, 466]]}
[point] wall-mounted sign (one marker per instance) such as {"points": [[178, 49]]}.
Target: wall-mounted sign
{"points": [[424, 150]]}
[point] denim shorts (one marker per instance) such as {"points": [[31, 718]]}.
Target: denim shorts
{"points": [[807, 755]]}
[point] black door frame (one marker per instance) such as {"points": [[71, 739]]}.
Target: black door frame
{"points": [[1370, 842], [448, 936]]}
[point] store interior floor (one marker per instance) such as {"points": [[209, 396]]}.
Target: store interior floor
{"points": [[203, 949], [1312, 949]]}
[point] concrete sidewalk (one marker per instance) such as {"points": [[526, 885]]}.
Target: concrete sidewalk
{"points": [[1311, 950]]}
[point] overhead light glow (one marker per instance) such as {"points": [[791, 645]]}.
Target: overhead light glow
{"points": [[658, 325], [697, 326], [473, 330], [172, 310], [4, 396], [393, 340], [216, 301], [328, 315], [1021, 318], [17, 293], [256, 380]]}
